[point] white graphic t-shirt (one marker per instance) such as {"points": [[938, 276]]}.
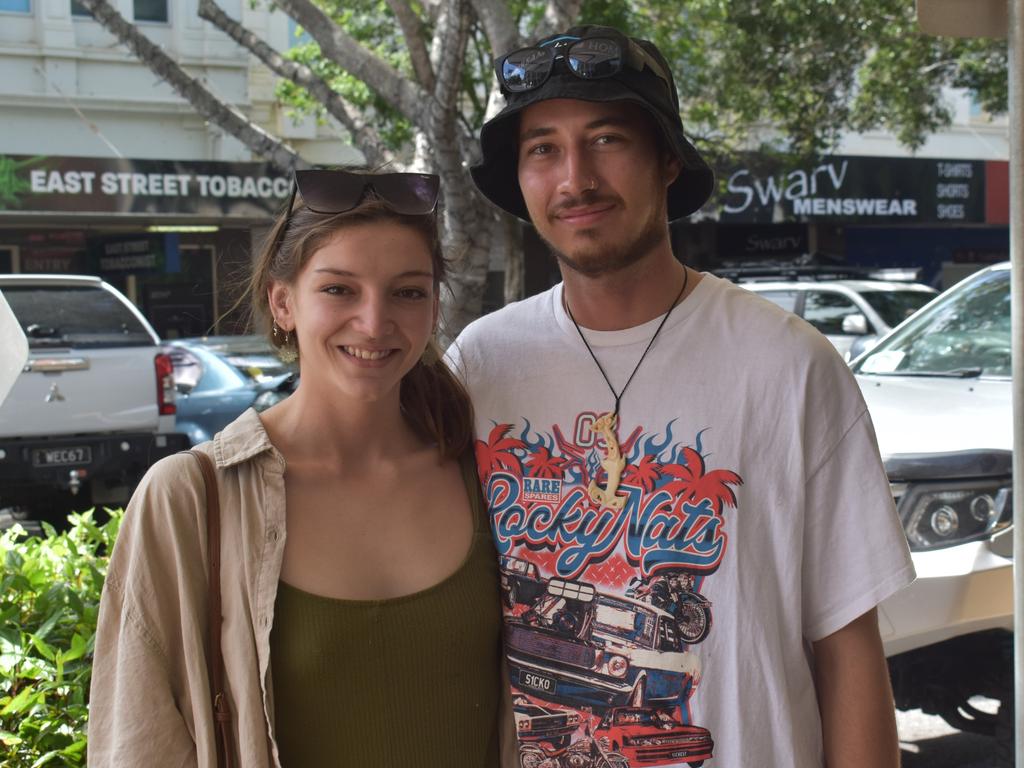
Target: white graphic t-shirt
{"points": [[664, 572]]}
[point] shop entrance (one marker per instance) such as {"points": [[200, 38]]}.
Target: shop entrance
{"points": [[8, 259], [184, 304]]}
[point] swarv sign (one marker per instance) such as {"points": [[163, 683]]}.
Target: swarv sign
{"points": [[859, 189]]}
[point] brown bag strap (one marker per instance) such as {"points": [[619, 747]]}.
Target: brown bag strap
{"points": [[215, 655]]}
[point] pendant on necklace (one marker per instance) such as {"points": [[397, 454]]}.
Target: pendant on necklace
{"points": [[612, 462]]}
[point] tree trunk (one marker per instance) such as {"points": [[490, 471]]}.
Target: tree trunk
{"points": [[515, 268]]}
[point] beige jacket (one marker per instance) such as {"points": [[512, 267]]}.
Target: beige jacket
{"points": [[150, 698]]}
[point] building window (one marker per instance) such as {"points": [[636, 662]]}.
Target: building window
{"points": [[77, 9], [17, 6], [150, 10]]}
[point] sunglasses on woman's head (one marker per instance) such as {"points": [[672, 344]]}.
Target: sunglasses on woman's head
{"points": [[336, 191], [588, 58], [326, 191]]}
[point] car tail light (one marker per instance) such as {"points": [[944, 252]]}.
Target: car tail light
{"points": [[165, 385]]}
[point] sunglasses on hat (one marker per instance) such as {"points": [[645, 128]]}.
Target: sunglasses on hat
{"points": [[588, 58]]}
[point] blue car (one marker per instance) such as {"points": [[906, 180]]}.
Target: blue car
{"points": [[218, 377]]}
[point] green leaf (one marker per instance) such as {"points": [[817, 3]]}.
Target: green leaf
{"points": [[44, 631], [9, 739], [78, 648], [76, 748], [25, 698], [47, 758]]}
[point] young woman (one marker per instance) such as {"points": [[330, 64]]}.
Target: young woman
{"points": [[358, 581]]}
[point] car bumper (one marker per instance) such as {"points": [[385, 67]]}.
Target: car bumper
{"points": [[959, 590], [119, 460], [666, 754], [572, 688]]}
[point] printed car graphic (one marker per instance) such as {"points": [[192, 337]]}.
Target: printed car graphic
{"points": [[653, 737], [552, 727], [580, 648], [520, 582]]}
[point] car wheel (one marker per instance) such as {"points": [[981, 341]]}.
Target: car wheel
{"points": [[696, 764]]}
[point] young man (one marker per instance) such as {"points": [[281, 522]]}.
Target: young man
{"points": [[647, 431]]}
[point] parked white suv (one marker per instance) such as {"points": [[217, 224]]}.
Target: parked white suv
{"points": [[853, 314], [94, 405], [938, 389]]}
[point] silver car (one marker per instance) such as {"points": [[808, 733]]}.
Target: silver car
{"points": [[853, 314]]}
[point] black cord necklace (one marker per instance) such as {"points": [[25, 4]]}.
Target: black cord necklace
{"points": [[618, 395]]}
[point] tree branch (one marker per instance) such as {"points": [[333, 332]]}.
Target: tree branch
{"points": [[452, 34], [202, 100], [498, 24], [336, 44], [559, 15], [365, 137], [412, 31]]}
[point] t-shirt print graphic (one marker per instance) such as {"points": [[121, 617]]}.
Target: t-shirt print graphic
{"points": [[604, 549]]}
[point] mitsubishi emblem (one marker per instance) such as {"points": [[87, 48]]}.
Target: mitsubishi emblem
{"points": [[54, 395]]}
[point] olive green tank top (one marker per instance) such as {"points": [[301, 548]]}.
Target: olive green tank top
{"points": [[400, 683]]}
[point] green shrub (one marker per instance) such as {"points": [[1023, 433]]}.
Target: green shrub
{"points": [[49, 601]]}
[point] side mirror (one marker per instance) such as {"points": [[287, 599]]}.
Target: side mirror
{"points": [[855, 325]]}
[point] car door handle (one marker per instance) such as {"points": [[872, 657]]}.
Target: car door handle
{"points": [[56, 365]]}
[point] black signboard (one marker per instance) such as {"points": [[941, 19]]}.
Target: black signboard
{"points": [[135, 254], [893, 190], [761, 241], [212, 190]]}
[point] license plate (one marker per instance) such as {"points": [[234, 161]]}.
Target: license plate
{"points": [[536, 682], [62, 457]]}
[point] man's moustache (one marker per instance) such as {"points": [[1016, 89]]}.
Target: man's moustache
{"points": [[588, 198]]}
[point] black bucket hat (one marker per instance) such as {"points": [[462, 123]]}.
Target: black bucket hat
{"points": [[497, 177]]}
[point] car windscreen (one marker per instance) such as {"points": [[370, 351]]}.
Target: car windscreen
{"points": [[650, 717], [964, 334], [896, 306], [626, 622], [75, 316]]}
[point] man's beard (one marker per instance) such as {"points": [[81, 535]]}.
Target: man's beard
{"points": [[603, 257]]}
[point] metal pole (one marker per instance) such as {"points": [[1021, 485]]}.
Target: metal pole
{"points": [[1015, 40]]}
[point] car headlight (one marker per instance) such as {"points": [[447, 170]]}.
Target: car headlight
{"points": [[939, 515]]}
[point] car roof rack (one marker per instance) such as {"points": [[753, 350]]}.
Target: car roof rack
{"points": [[809, 272], [812, 267]]}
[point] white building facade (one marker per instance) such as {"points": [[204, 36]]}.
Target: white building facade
{"points": [[105, 169]]}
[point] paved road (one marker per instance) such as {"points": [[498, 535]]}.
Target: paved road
{"points": [[926, 741]]}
